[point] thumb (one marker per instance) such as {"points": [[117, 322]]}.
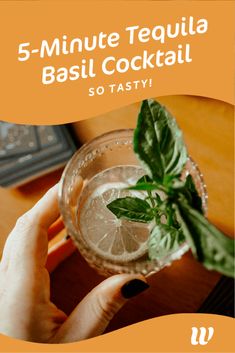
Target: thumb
{"points": [[93, 314]]}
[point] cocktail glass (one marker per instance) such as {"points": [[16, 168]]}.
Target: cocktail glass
{"points": [[98, 173]]}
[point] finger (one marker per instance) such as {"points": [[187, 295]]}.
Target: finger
{"points": [[77, 188], [28, 242], [91, 317], [46, 210], [55, 228], [60, 252]]}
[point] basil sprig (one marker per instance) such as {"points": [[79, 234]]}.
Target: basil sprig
{"points": [[158, 142], [209, 245], [159, 145], [132, 208]]}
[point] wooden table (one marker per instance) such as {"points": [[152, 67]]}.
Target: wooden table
{"points": [[181, 288]]}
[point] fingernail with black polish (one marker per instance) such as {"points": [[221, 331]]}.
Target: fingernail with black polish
{"points": [[134, 287]]}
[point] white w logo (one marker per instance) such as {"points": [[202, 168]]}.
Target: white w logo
{"points": [[202, 336]]}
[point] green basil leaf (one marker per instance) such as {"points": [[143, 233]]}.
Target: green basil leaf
{"points": [[188, 189], [193, 197], [176, 184], [164, 240], [132, 209], [144, 179], [158, 142], [144, 186], [209, 245], [172, 180]]}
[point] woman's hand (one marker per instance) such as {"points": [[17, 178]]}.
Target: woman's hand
{"points": [[26, 311]]}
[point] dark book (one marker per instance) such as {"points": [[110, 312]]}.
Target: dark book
{"points": [[27, 152]]}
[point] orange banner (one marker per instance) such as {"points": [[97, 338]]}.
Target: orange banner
{"points": [[171, 333], [69, 60]]}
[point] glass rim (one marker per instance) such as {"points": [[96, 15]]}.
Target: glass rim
{"points": [[83, 148]]}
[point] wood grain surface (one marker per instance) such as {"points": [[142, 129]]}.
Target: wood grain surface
{"points": [[208, 127]]}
